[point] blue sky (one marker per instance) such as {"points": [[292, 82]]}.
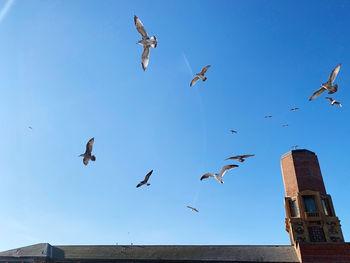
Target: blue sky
{"points": [[72, 71]]}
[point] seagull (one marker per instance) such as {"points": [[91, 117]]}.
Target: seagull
{"points": [[146, 42], [268, 116], [284, 125], [192, 208], [221, 174], [200, 76], [294, 147], [294, 109], [145, 181], [30, 127], [334, 102], [240, 157], [329, 84], [87, 155], [233, 131]]}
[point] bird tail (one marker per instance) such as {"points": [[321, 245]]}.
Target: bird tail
{"points": [[93, 158], [204, 79], [333, 89], [154, 45]]}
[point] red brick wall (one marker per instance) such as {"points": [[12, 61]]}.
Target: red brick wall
{"points": [[301, 171], [324, 253]]}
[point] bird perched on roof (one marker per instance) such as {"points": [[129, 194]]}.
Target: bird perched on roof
{"points": [[284, 125], [294, 109], [268, 116], [233, 131], [334, 102], [240, 157], [87, 155], [221, 174], [146, 42], [192, 208], [329, 84], [145, 181], [200, 76], [294, 147]]}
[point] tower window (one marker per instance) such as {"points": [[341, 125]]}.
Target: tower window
{"points": [[293, 208], [310, 204], [326, 207]]}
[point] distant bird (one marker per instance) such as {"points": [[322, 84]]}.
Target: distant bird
{"points": [[221, 174], [334, 102], [145, 181], [284, 125], [87, 155], [268, 116], [294, 109], [294, 147], [200, 76], [193, 209], [146, 42], [233, 131], [328, 85], [240, 157], [30, 127]]}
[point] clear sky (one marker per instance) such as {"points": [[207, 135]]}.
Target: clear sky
{"points": [[71, 70]]}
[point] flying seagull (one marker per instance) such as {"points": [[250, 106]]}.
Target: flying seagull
{"points": [[240, 157], [87, 155], [200, 76], [295, 147], [334, 102], [284, 125], [294, 109], [192, 208], [30, 127], [268, 116], [221, 174], [233, 131], [145, 181], [329, 84], [146, 42]]}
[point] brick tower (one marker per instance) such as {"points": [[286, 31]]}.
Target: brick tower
{"points": [[310, 213]]}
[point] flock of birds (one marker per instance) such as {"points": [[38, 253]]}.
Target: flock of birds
{"points": [[148, 42]]}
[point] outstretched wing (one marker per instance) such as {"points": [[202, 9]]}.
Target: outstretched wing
{"points": [[140, 28], [194, 80], [145, 57], [233, 157], [329, 98], [207, 175], [226, 168], [317, 93], [148, 176], [334, 74], [338, 103], [89, 145], [204, 70], [247, 155]]}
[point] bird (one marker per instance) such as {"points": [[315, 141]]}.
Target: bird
{"points": [[294, 109], [240, 157], [87, 155], [328, 85], [30, 127], [192, 208], [294, 147], [221, 174], [200, 76], [146, 42], [284, 125], [334, 102], [268, 116], [233, 131], [145, 181]]}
